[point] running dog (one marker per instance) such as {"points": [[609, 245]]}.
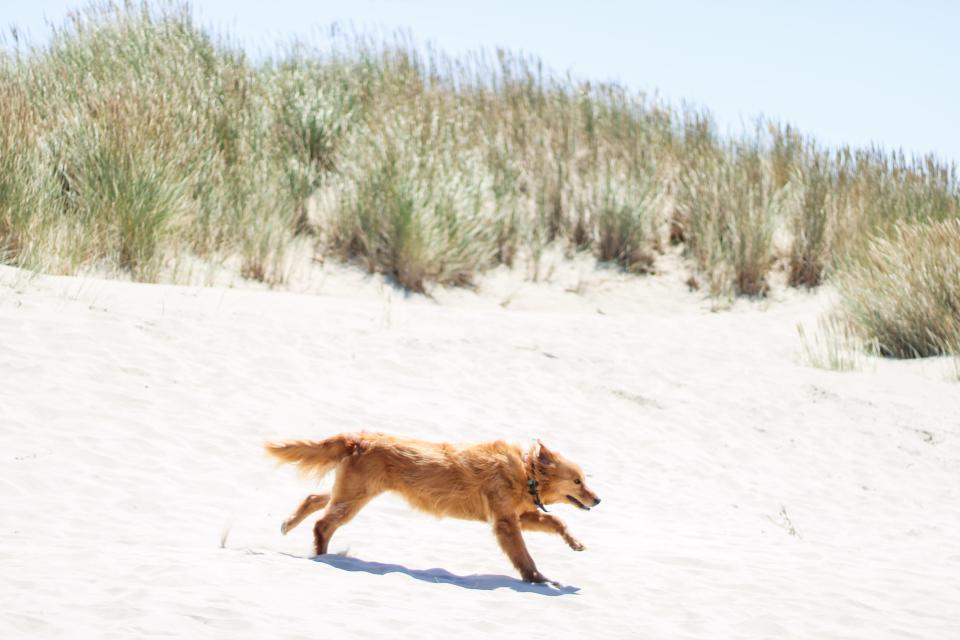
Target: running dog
{"points": [[493, 482]]}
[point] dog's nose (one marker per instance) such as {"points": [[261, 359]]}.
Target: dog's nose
{"points": [[596, 502]]}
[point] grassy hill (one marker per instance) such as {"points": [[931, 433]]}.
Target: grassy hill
{"points": [[136, 140]]}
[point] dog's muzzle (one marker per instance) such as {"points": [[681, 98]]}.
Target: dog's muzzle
{"points": [[580, 504]]}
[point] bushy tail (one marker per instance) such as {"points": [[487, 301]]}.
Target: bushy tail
{"points": [[313, 457]]}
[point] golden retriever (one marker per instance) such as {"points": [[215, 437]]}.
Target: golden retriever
{"points": [[493, 482]]}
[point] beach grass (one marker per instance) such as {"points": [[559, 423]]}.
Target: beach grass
{"points": [[136, 139]]}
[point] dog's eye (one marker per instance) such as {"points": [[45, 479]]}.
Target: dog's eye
{"points": [[577, 481]]}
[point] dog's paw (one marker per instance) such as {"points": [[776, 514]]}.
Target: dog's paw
{"points": [[285, 527], [576, 545], [538, 578], [535, 577]]}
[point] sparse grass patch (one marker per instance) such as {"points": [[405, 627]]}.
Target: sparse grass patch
{"points": [[625, 225], [833, 346], [810, 224], [413, 218], [123, 191], [903, 290], [27, 192], [730, 208]]}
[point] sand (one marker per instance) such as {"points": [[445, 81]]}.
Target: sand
{"points": [[745, 494]]}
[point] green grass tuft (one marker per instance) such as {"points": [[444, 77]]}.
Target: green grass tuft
{"points": [[903, 291]]}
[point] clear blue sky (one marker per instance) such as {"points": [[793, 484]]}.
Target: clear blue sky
{"points": [[846, 72]]}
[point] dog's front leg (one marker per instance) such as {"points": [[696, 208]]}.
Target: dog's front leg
{"points": [[536, 521], [507, 530]]}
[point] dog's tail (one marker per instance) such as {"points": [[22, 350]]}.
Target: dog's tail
{"points": [[314, 457]]}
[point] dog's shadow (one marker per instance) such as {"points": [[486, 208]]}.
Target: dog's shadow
{"points": [[442, 576]]}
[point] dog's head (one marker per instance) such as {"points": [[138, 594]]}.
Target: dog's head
{"points": [[561, 480]]}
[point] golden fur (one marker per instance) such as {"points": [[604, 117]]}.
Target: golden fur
{"points": [[487, 482]]}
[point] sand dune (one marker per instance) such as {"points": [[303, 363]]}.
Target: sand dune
{"points": [[744, 494]]}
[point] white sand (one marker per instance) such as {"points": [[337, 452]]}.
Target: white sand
{"points": [[744, 494]]}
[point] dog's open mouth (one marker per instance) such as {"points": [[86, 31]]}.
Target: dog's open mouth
{"points": [[577, 502]]}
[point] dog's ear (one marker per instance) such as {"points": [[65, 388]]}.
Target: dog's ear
{"points": [[545, 457]]}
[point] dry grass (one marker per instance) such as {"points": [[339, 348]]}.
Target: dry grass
{"points": [[136, 139], [834, 345], [731, 208], [903, 290], [810, 250]]}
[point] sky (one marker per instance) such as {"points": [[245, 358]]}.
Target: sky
{"points": [[845, 72]]}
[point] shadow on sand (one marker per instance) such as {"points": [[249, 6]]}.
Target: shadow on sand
{"points": [[442, 576]]}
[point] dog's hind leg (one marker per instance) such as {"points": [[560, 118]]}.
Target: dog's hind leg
{"points": [[338, 513], [351, 492], [310, 504], [536, 521]]}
